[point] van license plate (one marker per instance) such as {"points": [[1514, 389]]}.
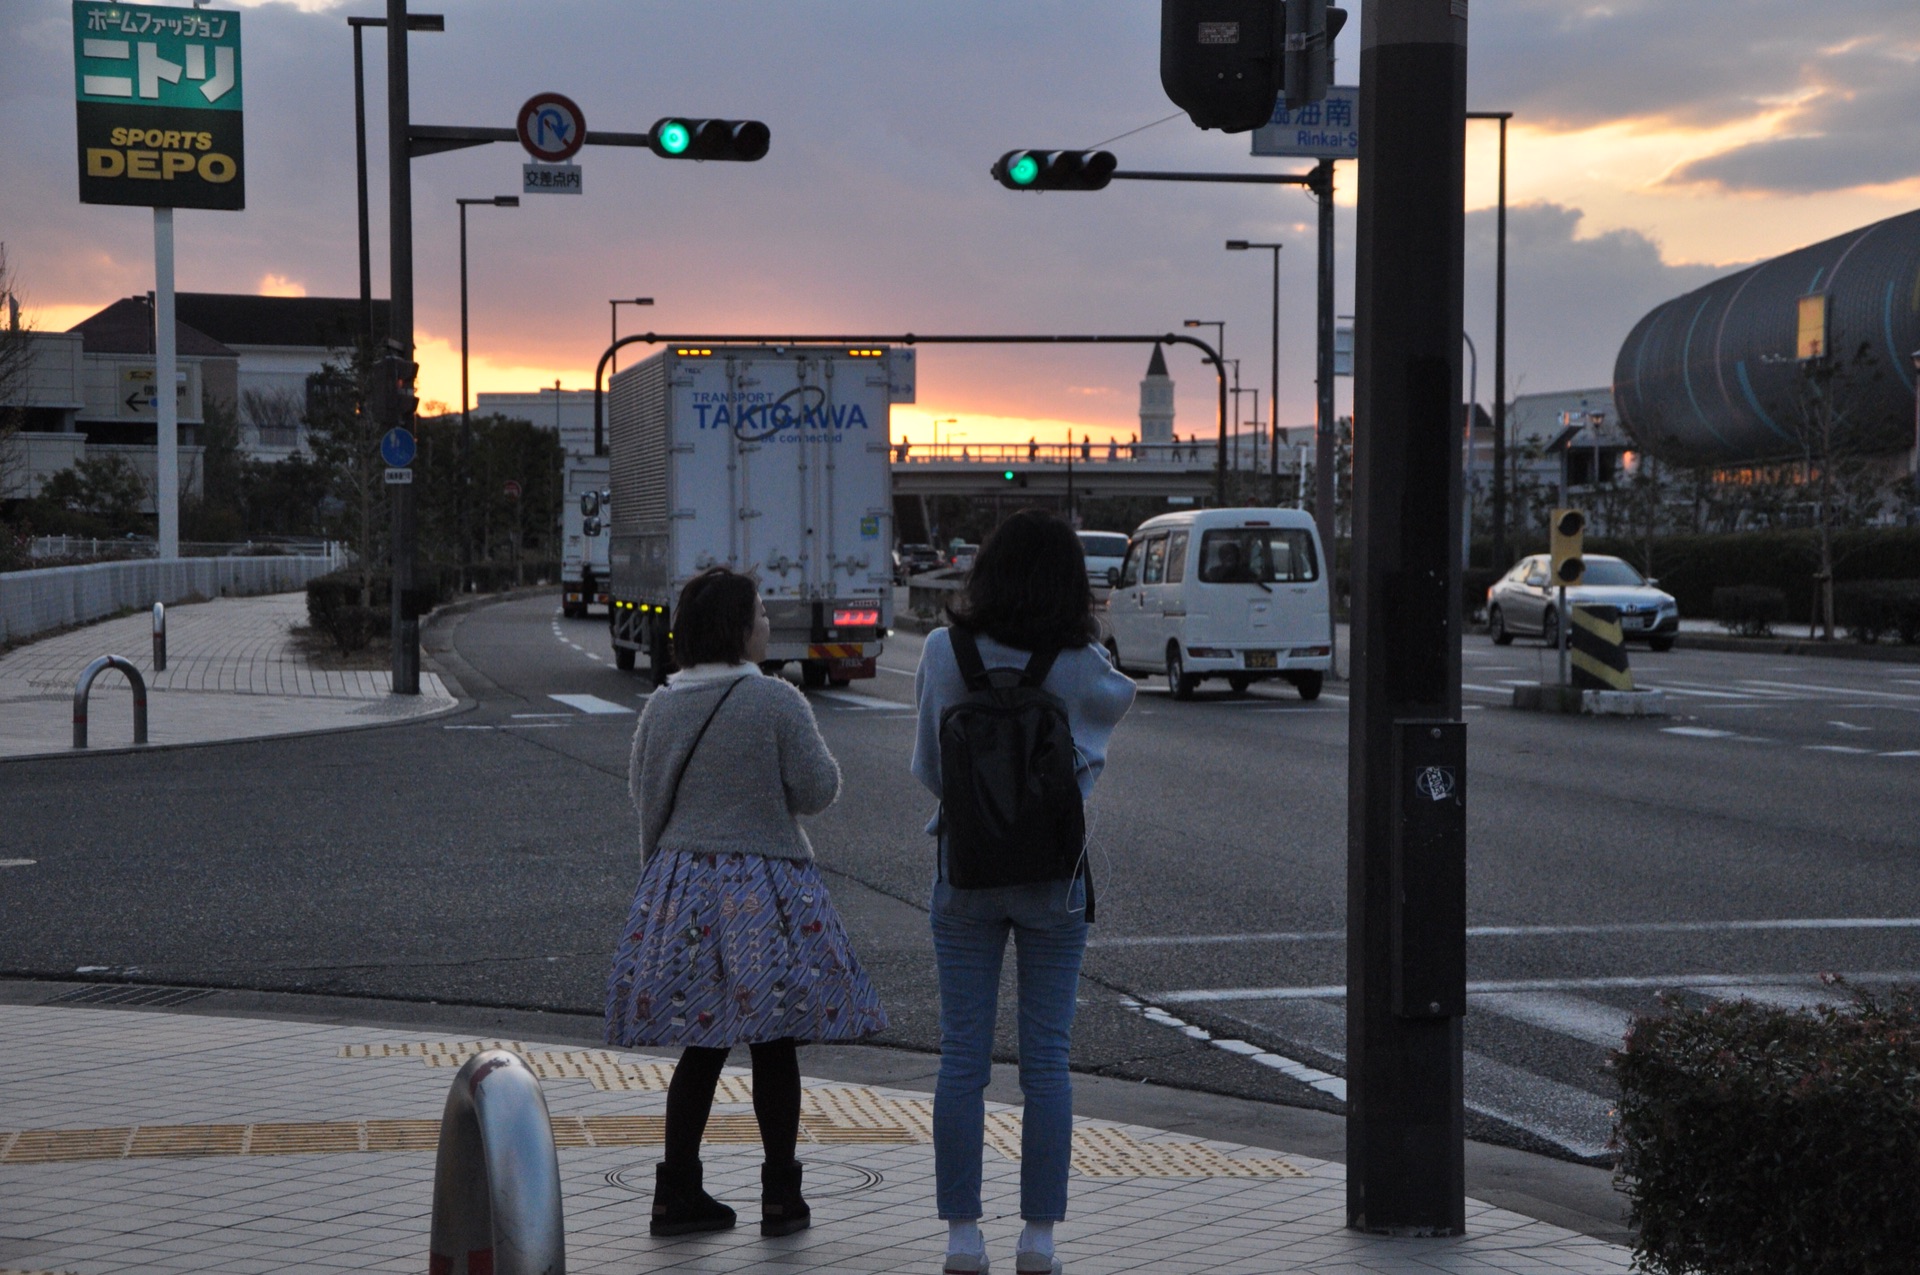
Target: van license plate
{"points": [[1261, 659]]}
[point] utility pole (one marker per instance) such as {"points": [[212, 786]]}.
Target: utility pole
{"points": [[1321, 184], [404, 606], [1499, 562], [1406, 884]]}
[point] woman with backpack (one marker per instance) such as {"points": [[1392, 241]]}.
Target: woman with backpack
{"points": [[732, 939], [1017, 702]]}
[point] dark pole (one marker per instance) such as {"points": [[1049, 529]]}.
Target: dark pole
{"points": [[1273, 389], [405, 623], [1406, 884], [1499, 562], [1220, 366], [1323, 426], [360, 140]]}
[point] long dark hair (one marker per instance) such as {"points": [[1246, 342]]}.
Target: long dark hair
{"points": [[713, 618], [1028, 588]]}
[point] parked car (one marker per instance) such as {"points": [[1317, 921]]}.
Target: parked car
{"points": [[1524, 603], [1105, 551], [963, 556], [1233, 593]]}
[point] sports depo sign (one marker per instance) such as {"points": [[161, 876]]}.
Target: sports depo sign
{"points": [[158, 98]]}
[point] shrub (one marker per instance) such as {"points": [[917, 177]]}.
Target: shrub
{"points": [[1872, 609], [1761, 1141], [1750, 610], [352, 627]]}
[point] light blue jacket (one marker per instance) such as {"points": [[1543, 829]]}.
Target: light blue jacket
{"points": [[1096, 694]]}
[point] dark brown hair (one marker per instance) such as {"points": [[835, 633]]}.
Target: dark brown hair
{"points": [[714, 616], [1028, 588]]}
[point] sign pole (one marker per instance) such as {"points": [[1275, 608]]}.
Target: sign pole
{"points": [[166, 375], [405, 623]]}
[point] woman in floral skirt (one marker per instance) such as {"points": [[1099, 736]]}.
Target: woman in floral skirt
{"points": [[732, 939]]}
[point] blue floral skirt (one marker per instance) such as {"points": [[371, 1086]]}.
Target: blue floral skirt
{"points": [[735, 949]]}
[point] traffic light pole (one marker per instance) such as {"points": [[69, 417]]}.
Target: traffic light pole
{"points": [[1324, 465], [914, 338], [403, 608], [1406, 885]]}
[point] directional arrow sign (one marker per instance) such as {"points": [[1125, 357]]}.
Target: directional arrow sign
{"points": [[158, 93]]}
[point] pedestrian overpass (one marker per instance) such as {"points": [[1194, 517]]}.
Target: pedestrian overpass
{"points": [[1054, 470]]}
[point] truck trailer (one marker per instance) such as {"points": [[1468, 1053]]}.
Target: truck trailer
{"points": [[771, 460], [583, 545]]}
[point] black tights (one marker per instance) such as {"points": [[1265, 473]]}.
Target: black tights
{"points": [[776, 1100]]}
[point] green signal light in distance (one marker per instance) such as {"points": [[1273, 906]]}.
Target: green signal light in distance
{"points": [[1008, 475], [674, 138], [1023, 172]]}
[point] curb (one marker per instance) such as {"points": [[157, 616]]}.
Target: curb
{"points": [[1835, 650]]}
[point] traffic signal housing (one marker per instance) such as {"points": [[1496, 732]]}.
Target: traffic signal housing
{"points": [[1568, 546], [1226, 62], [390, 397], [676, 137], [1055, 170]]}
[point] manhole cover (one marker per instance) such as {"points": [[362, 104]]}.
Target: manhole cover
{"points": [[125, 994], [824, 1180]]}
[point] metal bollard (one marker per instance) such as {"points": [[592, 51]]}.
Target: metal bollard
{"points": [[84, 688], [496, 1183], [159, 637]]}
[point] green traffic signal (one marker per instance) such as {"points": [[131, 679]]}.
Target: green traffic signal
{"points": [[1054, 170], [1008, 475], [1024, 170], [674, 137]]}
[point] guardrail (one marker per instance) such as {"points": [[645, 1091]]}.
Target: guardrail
{"points": [[84, 687], [496, 1182]]}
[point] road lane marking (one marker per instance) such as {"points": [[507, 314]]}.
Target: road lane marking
{"points": [[17, 863], [888, 668], [520, 715], [1593, 1021], [1849, 726], [1485, 690], [1908, 752], [1836, 748], [1313, 1077], [592, 704], [1696, 732], [1843, 691], [1691, 982], [1540, 931], [854, 699]]}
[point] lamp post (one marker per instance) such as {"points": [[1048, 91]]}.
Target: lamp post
{"points": [[1499, 562], [1466, 469], [1273, 390], [415, 22], [948, 420], [1220, 345], [466, 417], [615, 305], [1913, 463]]}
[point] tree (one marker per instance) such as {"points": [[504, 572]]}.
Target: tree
{"points": [[105, 494], [346, 445], [16, 365], [220, 512], [1831, 425]]}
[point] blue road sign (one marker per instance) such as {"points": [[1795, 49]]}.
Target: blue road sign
{"points": [[396, 447]]}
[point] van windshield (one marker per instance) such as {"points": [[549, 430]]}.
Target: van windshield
{"points": [[1257, 555], [1096, 545]]}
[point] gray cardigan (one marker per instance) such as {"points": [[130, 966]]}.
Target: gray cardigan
{"points": [[761, 763]]}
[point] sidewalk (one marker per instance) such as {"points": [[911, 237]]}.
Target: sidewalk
{"points": [[157, 1140], [233, 672]]}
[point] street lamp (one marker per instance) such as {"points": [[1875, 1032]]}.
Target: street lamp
{"points": [[1220, 345], [1466, 483], [948, 420], [1273, 391], [1499, 351], [615, 305], [466, 418], [415, 22]]}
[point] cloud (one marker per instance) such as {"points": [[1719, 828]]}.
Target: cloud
{"points": [[278, 285]]}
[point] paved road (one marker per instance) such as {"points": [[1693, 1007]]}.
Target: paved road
{"points": [[487, 858]]}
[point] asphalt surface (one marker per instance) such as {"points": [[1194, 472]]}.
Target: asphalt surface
{"points": [[486, 859]]}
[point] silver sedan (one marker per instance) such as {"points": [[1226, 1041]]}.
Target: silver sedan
{"points": [[1523, 603]]}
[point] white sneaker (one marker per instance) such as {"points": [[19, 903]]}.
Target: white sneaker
{"points": [[965, 1264], [1036, 1263]]}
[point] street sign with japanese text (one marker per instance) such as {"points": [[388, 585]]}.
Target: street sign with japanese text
{"points": [[157, 94], [550, 179], [1318, 130]]}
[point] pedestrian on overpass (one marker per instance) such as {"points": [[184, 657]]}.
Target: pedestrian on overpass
{"points": [[732, 939], [1022, 644]]}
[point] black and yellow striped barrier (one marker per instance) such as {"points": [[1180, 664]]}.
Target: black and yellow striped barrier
{"points": [[1598, 649]]}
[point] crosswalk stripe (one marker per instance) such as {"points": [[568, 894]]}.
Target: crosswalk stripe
{"points": [[1575, 1016], [1629, 982], [592, 704], [854, 699]]}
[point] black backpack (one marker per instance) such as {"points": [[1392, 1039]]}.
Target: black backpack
{"points": [[1010, 800]]}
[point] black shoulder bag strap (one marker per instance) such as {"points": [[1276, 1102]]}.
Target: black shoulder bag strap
{"points": [[1039, 664], [966, 654], [673, 793]]}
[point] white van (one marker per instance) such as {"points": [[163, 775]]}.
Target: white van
{"points": [[1234, 593]]}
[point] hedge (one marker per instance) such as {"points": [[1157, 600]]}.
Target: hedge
{"points": [[1763, 1141], [1873, 609], [1750, 610]]}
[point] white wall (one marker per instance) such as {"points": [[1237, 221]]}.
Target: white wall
{"points": [[33, 602]]}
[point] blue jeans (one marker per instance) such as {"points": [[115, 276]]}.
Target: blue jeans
{"points": [[970, 928]]}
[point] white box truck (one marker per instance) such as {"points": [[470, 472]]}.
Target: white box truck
{"points": [[583, 536], [772, 460]]}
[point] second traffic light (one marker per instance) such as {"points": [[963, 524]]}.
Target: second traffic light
{"points": [[1225, 62], [678, 138], [1568, 547], [390, 396], [1055, 170]]}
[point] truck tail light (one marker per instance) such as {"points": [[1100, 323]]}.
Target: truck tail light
{"points": [[863, 618]]}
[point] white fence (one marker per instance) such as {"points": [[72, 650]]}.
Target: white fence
{"points": [[32, 602]]}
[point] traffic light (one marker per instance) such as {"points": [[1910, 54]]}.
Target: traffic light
{"points": [[1225, 62], [1013, 478], [1055, 170], [390, 397], [677, 138], [1311, 28], [1569, 541]]}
